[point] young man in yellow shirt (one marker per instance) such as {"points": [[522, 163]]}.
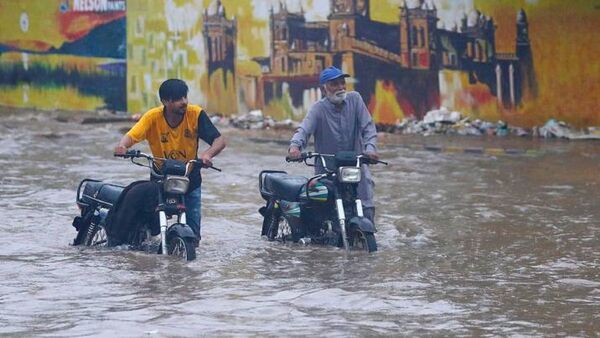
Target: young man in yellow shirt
{"points": [[173, 131]]}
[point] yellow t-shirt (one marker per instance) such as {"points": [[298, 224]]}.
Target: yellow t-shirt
{"points": [[179, 143]]}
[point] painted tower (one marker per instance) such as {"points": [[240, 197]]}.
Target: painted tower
{"points": [[525, 56], [284, 25], [343, 18], [417, 35], [220, 50], [219, 40]]}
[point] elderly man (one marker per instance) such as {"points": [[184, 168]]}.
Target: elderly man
{"points": [[340, 121]]}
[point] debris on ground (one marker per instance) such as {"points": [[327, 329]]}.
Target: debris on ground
{"points": [[443, 121], [436, 121], [256, 120]]}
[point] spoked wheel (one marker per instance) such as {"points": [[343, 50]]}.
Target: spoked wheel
{"points": [[96, 236], [279, 230], [275, 226], [363, 241], [181, 247]]}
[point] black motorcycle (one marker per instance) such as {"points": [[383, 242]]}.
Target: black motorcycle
{"points": [[96, 199], [323, 209]]}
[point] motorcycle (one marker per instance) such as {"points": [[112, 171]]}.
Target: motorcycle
{"points": [[323, 209], [96, 199]]}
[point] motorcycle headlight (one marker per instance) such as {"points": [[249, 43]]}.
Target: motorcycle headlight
{"points": [[349, 174], [176, 184]]}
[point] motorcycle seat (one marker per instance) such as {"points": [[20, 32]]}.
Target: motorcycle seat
{"points": [[284, 186], [101, 193]]}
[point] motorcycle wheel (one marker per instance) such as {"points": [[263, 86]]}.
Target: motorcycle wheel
{"points": [[181, 247], [364, 241], [81, 235], [96, 236], [271, 224]]}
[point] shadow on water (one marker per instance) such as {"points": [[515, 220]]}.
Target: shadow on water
{"points": [[470, 245]]}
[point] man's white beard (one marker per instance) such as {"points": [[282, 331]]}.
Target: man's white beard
{"points": [[337, 97]]}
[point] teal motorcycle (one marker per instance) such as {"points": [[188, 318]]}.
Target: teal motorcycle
{"points": [[323, 209]]}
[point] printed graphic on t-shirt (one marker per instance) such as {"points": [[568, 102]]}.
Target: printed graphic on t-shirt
{"points": [[164, 137], [176, 155]]}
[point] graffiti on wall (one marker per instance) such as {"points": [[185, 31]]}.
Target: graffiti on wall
{"points": [[63, 54]]}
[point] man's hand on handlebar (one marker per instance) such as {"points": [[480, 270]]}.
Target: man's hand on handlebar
{"points": [[372, 155], [120, 150], [294, 153], [206, 160]]}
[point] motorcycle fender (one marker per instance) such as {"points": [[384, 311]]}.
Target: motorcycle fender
{"points": [[182, 230], [362, 223], [102, 215]]}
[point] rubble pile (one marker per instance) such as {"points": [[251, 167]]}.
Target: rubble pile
{"points": [[443, 121], [438, 121], [256, 120]]}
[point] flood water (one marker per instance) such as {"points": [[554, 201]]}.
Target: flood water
{"points": [[469, 245]]}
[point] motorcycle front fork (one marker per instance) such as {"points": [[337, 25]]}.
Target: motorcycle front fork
{"points": [[342, 218], [162, 216]]}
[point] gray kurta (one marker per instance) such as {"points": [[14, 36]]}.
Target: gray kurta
{"points": [[349, 127]]}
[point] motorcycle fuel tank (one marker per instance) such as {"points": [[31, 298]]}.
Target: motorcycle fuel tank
{"points": [[317, 192]]}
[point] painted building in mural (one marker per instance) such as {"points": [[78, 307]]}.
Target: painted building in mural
{"points": [[407, 58], [63, 54], [492, 60]]}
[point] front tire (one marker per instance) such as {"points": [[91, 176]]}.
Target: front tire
{"points": [[364, 241], [183, 248], [96, 235]]}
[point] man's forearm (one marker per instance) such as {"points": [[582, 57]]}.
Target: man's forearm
{"points": [[217, 146], [299, 139], [369, 136], [126, 141]]}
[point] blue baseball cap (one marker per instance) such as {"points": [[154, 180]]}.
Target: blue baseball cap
{"points": [[331, 73]]}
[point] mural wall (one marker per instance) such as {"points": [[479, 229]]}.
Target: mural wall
{"points": [[63, 54], [521, 61], [495, 60]]}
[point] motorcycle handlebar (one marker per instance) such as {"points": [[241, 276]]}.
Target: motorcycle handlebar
{"points": [[130, 154], [368, 160], [289, 159], [133, 153], [304, 156]]}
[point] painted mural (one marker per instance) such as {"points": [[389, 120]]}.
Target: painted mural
{"points": [[63, 54], [520, 61], [494, 60]]}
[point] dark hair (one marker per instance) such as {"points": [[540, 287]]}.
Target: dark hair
{"points": [[172, 89]]}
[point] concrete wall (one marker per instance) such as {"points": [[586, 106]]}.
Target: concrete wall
{"points": [[519, 61]]}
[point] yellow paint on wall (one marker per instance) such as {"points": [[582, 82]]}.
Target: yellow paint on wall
{"points": [[28, 20], [68, 62], [50, 97], [64, 98], [565, 46], [384, 107]]}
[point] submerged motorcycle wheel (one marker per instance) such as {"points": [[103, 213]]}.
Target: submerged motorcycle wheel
{"points": [[183, 248], [272, 225], [96, 236], [363, 241]]}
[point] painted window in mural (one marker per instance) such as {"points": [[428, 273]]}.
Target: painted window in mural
{"points": [[63, 54]]}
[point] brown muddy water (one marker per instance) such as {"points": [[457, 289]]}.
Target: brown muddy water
{"points": [[469, 245]]}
